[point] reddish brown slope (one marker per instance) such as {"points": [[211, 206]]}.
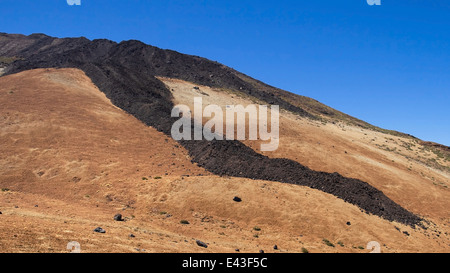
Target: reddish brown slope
{"points": [[68, 150]]}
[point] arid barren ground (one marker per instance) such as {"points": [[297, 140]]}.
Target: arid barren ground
{"points": [[71, 160]]}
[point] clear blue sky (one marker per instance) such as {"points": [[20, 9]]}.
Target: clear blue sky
{"points": [[388, 65]]}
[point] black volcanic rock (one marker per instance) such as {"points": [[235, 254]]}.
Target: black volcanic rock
{"points": [[118, 217], [237, 199], [99, 230], [201, 244]]}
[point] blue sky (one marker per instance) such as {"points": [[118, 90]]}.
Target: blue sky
{"points": [[388, 65]]}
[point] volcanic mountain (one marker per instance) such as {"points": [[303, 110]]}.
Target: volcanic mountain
{"points": [[86, 125]]}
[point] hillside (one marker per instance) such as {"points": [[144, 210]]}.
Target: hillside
{"points": [[96, 135]]}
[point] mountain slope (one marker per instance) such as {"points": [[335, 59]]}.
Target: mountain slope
{"points": [[71, 161], [136, 78], [126, 72]]}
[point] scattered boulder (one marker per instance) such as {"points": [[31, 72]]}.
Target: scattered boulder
{"points": [[76, 179], [201, 244], [132, 235], [275, 247], [348, 223], [99, 230], [237, 199], [118, 217], [261, 251]]}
